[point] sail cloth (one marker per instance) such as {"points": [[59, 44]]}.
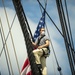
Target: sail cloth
{"points": [[26, 70]]}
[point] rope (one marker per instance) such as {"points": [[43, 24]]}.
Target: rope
{"points": [[11, 38], [52, 49], [54, 24], [50, 18], [29, 46], [5, 54], [71, 54], [27, 25], [69, 29], [8, 35], [49, 38], [59, 68], [65, 31], [7, 49], [68, 22], [52, 46], [48, 34], [51, 42]]}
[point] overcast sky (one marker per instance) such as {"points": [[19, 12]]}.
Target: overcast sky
{"points": [[33, 14]]}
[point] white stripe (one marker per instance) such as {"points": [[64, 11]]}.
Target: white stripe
{"points": [[26, 70], [29, 69]]}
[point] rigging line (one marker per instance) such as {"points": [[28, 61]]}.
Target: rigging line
{"points": [[67, 45], [7, 49], [72, 56], [5, 54], [18, 8], [66, 25], [70, 30], [49, 37], [59, 68], [53, 49], [69, 23], [27, 25], [11, 38], [50, 18], [8, 34], [54, 23], [48, 33], [63, 24], [68, 33]]}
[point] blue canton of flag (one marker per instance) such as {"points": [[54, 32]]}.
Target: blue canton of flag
{"points": [[40, 25]]}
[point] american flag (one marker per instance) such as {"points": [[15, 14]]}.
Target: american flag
{"points": [[41, 24], [26, 70]]}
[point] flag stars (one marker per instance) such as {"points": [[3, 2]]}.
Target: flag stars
{"points": [[38, 29], [40, 25], [41, 21], [36, 34]]}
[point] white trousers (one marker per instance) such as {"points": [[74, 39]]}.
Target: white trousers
{"points": [[41, 59]]}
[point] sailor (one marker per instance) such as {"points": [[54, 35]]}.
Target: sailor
{"points": [[42, 51]]}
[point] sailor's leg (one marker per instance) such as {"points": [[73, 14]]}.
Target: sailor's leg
{"points": [[38, 53], [43, 63]]}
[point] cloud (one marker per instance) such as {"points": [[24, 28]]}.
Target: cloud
{"points": [[18, 41], [57, 40]]}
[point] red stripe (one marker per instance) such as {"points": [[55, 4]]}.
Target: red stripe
{"points": [[29, 73], [25, 64]]}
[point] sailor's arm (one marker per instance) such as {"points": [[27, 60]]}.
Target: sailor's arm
{"points": [[34, 43], [45, 45]]}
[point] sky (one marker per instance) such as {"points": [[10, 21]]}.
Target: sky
{"points": [[33, 14]]}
